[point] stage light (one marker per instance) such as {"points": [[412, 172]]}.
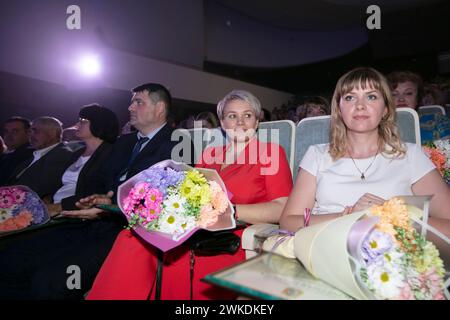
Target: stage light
{"points": [[89, 65]]}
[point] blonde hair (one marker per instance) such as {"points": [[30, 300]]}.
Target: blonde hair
{"points": [[389, 138], [239, 95]]}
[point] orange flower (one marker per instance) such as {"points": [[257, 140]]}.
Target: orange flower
{"points": [[218, 197], [392, 213], [22, 220]]}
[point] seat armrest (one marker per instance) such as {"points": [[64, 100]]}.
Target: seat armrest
{"points": [[253, 237]]}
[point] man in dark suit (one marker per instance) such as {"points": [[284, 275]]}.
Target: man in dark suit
{"points": [[42, 173], [16, 133], [149, 110], [38, 268]]}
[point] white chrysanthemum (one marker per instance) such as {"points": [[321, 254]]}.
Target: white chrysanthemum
{"points": [[170, 222], [387, 281], [188, 223], [174, 223], [394, 258], [174, 203]]}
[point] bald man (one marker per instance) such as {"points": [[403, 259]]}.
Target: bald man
{"points": [[42, 173]]}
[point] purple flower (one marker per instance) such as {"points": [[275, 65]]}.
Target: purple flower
{"points": [[375, 245], [162, 178]]}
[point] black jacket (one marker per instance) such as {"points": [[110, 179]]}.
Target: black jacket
{"points": [[44, 176], [10, 161], [88, 175]]}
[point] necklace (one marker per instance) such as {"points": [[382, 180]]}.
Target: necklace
{"points": [[363, 172]]}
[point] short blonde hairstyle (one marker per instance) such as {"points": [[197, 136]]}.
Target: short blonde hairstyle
{"points": [[239, 95], [389, 138]]}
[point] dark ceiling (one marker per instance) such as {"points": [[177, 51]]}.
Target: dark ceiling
{"points": [[413, 35], [319, 15]]}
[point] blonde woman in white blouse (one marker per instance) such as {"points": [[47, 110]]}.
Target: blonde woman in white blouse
{"points": [[365, 162]]}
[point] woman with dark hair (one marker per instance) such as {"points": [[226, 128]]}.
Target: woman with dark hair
{"points": [[408, 90], [313, 106], [98, 128], [36, 266]]}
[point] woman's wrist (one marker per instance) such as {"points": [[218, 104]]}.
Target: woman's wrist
{"points": [[347, 210]]}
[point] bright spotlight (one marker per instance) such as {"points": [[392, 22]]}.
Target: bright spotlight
{"points": [[89, 65]]}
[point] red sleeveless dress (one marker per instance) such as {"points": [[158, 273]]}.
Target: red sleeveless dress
{"points": [[129, 271]]}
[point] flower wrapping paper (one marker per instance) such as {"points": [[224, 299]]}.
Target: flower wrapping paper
{"points": [[20, 207], [374, 254], [166, 241]]}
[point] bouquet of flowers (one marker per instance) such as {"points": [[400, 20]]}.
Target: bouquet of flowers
{"points": [[373, 254], [439, 153], [20, 207], [169, 201]]}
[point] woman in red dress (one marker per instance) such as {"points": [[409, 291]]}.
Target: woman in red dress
{"points": [[258, 177]]}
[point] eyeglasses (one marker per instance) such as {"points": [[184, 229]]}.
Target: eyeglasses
{"points": [[83, 120]]}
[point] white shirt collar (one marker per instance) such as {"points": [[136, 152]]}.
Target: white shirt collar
{"points": [[42, 152]]}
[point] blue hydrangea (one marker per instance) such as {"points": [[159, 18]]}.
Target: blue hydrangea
{"points": [[33, 204], [162, 178]]}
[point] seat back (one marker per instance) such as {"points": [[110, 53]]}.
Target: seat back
{"points": [[281, 132], [408, 125], [309, 131]]}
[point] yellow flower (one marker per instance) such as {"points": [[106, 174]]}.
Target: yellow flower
{"points": [[196, 177], [187, 188], [195, 188]]}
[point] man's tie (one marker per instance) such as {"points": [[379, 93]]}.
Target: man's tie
{"points": [[134, 153]]}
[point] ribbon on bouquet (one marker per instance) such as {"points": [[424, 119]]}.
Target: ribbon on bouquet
{"points": [[288, 234], [285, 235]]}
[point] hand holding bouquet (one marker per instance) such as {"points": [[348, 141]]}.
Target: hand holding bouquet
{"points": [[373, 254]]}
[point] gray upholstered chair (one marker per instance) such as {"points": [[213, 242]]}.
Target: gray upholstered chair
{"points": [[281, 132], [408, 125], [314, 130]]}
